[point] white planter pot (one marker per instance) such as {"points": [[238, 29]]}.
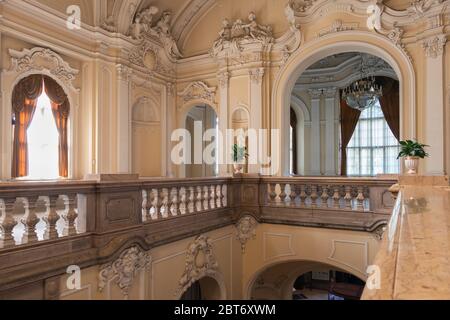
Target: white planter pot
{"points": [[238, 167], [412, 164]]}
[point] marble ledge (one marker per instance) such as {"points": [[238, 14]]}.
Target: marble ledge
{"points": [[414, 256]]}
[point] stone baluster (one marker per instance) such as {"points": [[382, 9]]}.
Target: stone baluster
{"points": [[218, 196], [324, 197], [199, 199], [336, 197], [303, 195], [205, 198], [314, 196], [174, 201], [283, 193], [212, 197], [360, 198], [191, 200], [51, 217], [29, 220], [69, 214], [7, 222], [183, 201], [272, 193], [224, 194], [292, 195], [154, 203], [164, 210], [144, 205], [348, 197]]}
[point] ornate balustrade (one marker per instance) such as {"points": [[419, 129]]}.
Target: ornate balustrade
{"points": [[32, 212], [45, 226], [346, 194]]}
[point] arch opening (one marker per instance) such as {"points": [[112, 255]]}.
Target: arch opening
{"points": [[319, 49], [206, 288]]}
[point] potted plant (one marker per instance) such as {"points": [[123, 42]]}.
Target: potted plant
{"points": [[239, 156], [412, 151]]}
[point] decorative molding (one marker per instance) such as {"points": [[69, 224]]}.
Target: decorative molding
{"points": [[200, 262], [330, 92], [337, 26], [256, 75], [434, 46], [147, 55], [315, 93], [40, 59], [123, 72], [124, 269], [109, 24], [224, 79], [365, 257], [198, 90], [379, 231], [246, 230]]}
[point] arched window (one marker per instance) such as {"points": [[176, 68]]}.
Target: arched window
{"points": [[40, 122]]}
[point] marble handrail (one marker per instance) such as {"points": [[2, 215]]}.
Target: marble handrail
{"points": [[414, 257]]}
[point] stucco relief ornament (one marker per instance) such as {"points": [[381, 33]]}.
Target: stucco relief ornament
{"points": [[246, 230], [39, 59], [374, 23], [109, 24], [198, 91], [143, 26], [302, 5], [233, 37], [420, 7], [434, 46], [124, 269], [200, 262]]}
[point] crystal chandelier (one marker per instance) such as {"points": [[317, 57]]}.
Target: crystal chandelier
{"points": [[363, 93]]}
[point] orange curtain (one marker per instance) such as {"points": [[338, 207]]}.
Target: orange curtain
{"points": [[349, 120], [24, 101], [390, 104], [60, 110]]}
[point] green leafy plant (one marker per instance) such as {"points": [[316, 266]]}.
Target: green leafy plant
{"points": [[409, 148], [239, 153]]}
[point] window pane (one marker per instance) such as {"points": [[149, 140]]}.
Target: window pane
{"points": [[373, 148]]}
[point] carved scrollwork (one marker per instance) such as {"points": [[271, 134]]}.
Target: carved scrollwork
{"points": [[40, 59], [246, 230], [198, 90], [124, 269], [200, 262], [147, 55], [434, 46]]}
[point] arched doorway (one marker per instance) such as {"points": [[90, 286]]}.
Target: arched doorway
{"points": [[202, 124], [318, 49], [353, 102], [305, 280], [206, 288]]}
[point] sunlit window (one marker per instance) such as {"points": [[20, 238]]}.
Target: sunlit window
{"points": [[373, 148], [43, 142], [291, 149]]}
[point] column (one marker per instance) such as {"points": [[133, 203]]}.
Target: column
{"points": [[224, 147], [171, 123], [330, 137], [123, 119], [256, 79], [315, 130], [434, 104]]}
